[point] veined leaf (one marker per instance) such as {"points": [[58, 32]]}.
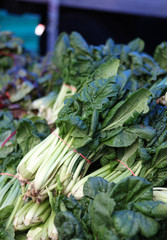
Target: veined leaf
{"points": [[101, 211], [126, 112], [106, 70], [160, 159], [128, 223], [154, 209], [160, 55]]}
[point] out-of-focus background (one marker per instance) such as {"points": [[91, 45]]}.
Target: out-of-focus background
{"points": [[38, 22]]}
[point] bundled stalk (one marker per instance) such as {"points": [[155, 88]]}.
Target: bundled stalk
{"points": [[38, 233], [89, 126], [160, 194], [44, 105], [50, 105], [9, 191], [44, 231], [53, 154], [31, 214], [52, 230], [113, 171]]}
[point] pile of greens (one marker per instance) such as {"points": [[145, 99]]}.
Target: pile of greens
{"points": [[75, 60], [29, 132], [125, 210], [109, 103]]}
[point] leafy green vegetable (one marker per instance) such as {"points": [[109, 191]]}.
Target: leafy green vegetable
{"points": [[30, 134], [74, 58], [128, 223], [126, 112], [160, 55], [68, 226], [118, 211], [101, 211], [6, 234]]}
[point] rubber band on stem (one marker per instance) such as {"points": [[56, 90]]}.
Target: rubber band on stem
{"points": [[126, 167], [71, 147], [72, 88], [11, 175]]}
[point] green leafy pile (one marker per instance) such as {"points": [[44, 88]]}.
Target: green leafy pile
{"points": [[160, 55], [29, 132], [118, 114], [145, 70], [75, 59], [112, 211], [103, 112]]}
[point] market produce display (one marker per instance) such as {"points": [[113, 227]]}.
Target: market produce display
{"points": [[83, 136]]}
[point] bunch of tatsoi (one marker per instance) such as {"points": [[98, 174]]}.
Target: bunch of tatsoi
{"points": [[143, 156], [74, 59], [89, 119]]}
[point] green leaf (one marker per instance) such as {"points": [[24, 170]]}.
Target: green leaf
{"points": [[154, 209], [6, 234], [137, 45], [129, 135], [136, 58], [122, 79], [148, 226], [130, 190], [106, 70], [93, 186], [41, 125], [26, 135], [79, 44], [125, 223], [159, 160], [6, 211], [160, 55], [60, 50], [128, 223], [68, 227], [101, 211], [128, 157], [144, 132], [127, 111], [105, 233], [108, 156], [124, 139], [84, 109]]}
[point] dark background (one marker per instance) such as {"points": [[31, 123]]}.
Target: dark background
{"points": [[97, 26]]}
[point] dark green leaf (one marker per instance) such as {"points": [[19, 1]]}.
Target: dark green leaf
{"points": [[130, 190], [68, 227], [154, 209], [160, 55], [129, 223], [6, 211], [93, 186], [101, 211], [126, 112], [137, 45]]}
